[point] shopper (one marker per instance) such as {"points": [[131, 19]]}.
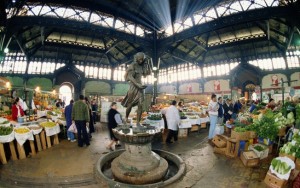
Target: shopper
{"points": [[114, 118], [58, 103], [91, 122], [220, 111], [16, 109], [213, 107], [94, 110], [228, 110], [173, 119], [68, 116], [81, 115]]}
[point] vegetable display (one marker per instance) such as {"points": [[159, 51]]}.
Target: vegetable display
{"points": [[48, 124], [280, 167], [154, 117], [259, 148], [5, 130], [21, 130]]}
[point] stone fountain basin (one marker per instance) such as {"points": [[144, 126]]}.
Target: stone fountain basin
{"points": [[101, 177], [137, 138]]}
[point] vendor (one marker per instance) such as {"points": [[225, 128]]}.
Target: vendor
{"points": [[271, 105], [17, 110], [180, 106]]}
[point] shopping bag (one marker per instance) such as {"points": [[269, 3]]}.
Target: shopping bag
{"points": [[219, 129], [87, 129], [73, 128]]}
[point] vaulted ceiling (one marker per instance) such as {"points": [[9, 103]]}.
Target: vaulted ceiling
{"points": [[110, 32]]}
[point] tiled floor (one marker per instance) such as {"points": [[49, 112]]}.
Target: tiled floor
{"points": [[67, 165]]}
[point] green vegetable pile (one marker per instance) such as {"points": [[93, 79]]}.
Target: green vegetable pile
{"points": [[297, 110], [5, 130], [266, 126], [259, 148], [240, 129], [154, 117], [289, 148], [5, 122], [280, 166]]}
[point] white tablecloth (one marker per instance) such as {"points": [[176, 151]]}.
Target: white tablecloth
{"points": [[40, 113], [21, 138], [52, 130], [157, 123]]}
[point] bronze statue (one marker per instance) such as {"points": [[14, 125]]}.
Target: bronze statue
{"points": [[135, 95]]}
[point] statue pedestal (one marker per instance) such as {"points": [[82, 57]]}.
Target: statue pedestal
{"points": [[139, 165]]}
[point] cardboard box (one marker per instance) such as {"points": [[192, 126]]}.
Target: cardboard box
{"points": [[220, 141], [249, 158], [220, 150], [294, 174], [273, 181], [261, 154], [203, 125], [182, 133]]}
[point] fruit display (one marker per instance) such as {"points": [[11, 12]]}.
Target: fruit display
{"points": [[34, 127], [5, 131], [48, 124], [21, 130]]}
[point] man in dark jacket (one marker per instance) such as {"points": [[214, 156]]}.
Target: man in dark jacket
{"points": [[228, 110], [220, 111], [114, 118]]}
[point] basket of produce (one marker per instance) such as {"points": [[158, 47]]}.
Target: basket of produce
{"points": [[35, 128], [260, 150], [22, 134], [281, 167], [4, 122], [6, 134], [51, 128]]}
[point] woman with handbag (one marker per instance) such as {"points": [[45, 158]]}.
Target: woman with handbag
{"points": [[68, 115], [213, 107]]}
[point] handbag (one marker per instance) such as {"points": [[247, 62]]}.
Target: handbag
{"points": [[72, 128]]}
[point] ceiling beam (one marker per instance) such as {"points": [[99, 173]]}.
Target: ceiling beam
{"points": [[16, 23], [226, 21]]}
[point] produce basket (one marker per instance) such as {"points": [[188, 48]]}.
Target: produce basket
{"points": [[293, 158], [6, 134], [282, 171], [22, 134]]}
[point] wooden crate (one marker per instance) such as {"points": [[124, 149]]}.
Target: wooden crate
{"points": [[220, 141], [297, 163], [273, 181], [240, 135], [220, 150], [182, 133], [203, 125], [249, 158], [194, 128], [232, 148]]}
